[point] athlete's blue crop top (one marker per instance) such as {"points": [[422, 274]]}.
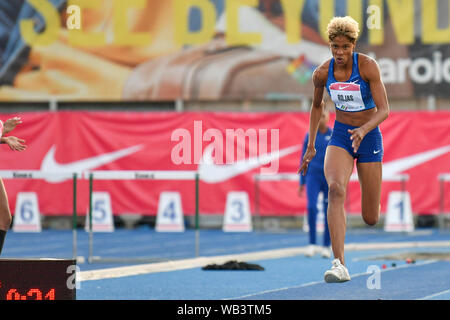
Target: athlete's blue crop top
{"points": [[352, 95]]}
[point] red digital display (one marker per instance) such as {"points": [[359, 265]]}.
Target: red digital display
{"points": [[37, 279], [32, 294]]}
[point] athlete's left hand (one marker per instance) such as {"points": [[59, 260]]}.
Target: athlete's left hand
{"points": [[357, 135], [14, 143]]}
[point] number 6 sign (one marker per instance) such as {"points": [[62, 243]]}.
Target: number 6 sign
{"points": [[27, 217]]}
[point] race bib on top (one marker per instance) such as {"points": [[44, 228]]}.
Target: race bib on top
{"points": [[347, 96]]}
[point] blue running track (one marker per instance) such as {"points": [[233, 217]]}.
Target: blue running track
{"points": [[288, 277]]}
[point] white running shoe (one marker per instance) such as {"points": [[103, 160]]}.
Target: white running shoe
{"points": [[337, 273], [326, 252], [310, 250]]}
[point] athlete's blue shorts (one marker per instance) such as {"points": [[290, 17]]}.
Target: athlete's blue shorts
{"points": [[370, 149]]}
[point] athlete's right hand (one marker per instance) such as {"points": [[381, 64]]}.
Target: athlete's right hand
{"points": [[309, 155]]}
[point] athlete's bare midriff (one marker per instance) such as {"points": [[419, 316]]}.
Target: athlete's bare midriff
{"points": [[355, 119]]}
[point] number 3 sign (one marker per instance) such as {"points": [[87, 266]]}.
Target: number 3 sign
{"points": [[237, 213]]}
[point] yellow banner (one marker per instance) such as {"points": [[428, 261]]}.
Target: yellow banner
{"points": [[172, 49]]}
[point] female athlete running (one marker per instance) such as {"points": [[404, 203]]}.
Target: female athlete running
{"points": [[354, 84]]}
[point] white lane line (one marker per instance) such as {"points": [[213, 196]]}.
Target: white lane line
{"points": [[431, 296], [186, 264], [320, 282]]}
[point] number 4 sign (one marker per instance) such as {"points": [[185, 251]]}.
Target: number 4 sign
{"points": [[27, 217], [170, 215], [237, 213]]}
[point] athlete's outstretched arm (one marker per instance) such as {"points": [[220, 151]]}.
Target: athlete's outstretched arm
{"points": [[319, 81], [14, 143]]}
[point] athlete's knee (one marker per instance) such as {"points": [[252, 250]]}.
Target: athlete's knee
{"points": [[336, 190], [371, 218], [5, 219], [371, 221]]}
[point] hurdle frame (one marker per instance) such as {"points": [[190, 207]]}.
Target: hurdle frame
{"points": [[177, 175], [106, 175], [140, 175]]}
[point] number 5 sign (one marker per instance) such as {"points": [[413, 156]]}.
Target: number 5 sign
{"points": [[27, 217], [102, 217], [237, 213]]}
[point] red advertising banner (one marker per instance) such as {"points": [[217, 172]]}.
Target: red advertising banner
{"points": [[227, 149]]}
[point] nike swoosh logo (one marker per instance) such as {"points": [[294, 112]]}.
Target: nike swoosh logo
{"points": [[51, 165], [375, 152], [212, 173], [343, 87], [395, 167]]}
